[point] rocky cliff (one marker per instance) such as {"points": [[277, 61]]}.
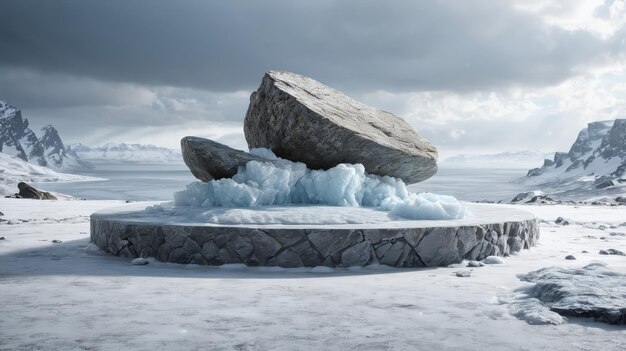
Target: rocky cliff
{"points": [[596, 159], [17, 139]]}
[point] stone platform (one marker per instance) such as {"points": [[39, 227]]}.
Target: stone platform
{"points": [[185, 236]]}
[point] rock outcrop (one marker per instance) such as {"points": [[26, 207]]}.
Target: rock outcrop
{"points": [[209, 160], [302, 120], [599, 150], [27, 191], [595, 165], [593, 291]]}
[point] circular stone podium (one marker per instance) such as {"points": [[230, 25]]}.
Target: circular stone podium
{"points": [[188, 236]]}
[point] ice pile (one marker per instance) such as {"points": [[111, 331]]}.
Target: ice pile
{"points": [[283, 182]]}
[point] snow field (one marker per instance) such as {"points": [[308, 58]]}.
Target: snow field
{"points": [[72, 296]]}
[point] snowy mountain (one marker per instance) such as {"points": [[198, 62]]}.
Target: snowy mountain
{"points": [[596, 161], [509, 159], [127, 153], [14, 170], [17, 139]]}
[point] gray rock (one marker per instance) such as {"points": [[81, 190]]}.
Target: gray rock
{"points": [[303, 120], [570, 257], [264, 245], [209, 160], [493, 260], [356, 255], [394, 254], [561, 221], [55, 241], [191, 247], [26, 191], [475, 264], [435, 246], [612, 252], [2, 238], [591, 291], [515, 244], [139, 261], [308, 255], [438, 246], [463, 274], [209, 250], [288, 259]]}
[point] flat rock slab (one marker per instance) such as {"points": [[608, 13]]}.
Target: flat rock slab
{"points": [[208, 159], [592, 291], [303, 120], [131, 231]]}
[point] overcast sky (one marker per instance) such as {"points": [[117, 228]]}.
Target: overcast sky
{"points": [[471, 76]]}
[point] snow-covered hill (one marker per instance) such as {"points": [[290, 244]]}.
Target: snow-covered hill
{"points": [[595, 164], [131, 153], [17, 139], [509, 159], [14, 170]]}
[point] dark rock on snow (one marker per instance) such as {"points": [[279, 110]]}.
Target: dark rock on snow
{"points": [[612, 252], [209, 160], [28, 192], [561, 221]]}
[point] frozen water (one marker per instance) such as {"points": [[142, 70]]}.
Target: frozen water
{"points": [[285, 182]]}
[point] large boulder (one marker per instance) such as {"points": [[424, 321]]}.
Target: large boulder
{"points": [[26, 191], [209, 160], [303, 120]]}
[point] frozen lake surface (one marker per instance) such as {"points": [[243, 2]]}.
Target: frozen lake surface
{"points": [[134, 182], [139, 182]]}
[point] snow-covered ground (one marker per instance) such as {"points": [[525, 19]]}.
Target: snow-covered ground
{"points": [[14, 170], [70, 295]]}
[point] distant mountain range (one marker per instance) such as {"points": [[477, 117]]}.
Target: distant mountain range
{"points": [[17, 139], [509, 159], [127, 153], [596, 161]]}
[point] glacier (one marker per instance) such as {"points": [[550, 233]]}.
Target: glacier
{"points": [[283, 182]]}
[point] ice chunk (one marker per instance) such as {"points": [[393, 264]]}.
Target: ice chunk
{"points": [[285, 182]]}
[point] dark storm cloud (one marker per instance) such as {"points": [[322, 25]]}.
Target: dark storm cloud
{"points": [[354, 45]]}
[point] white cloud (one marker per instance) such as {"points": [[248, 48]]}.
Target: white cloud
{"points": [[600, 17]]}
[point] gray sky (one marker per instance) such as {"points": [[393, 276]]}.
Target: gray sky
{"points": [[471, 76]]}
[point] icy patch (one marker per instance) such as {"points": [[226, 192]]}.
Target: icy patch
{"points": [[533, 311], [284, 183], [591, 291]]}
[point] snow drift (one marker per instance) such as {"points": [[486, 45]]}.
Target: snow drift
{"points": [[285, 182]]}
